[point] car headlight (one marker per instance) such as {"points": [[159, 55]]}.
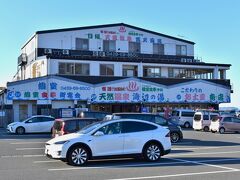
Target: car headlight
{"points": [[61, 142]]}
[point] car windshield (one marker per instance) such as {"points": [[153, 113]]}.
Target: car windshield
{"points": [[23, 120], [175, 113], [116, 117], [90, 127], [215, 118], [172, 122]]}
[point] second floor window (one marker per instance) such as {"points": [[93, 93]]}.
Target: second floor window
{"points": [[170, 72], [66, 68], [109, 45], [181, 50], [158, 49], [106, 69], [73, 69], [152, 72], [134, 47], [81, 69], [82, 44], [190, 73], [130, 70]]}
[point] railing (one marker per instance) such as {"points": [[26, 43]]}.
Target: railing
{"points": [[138, 57]]}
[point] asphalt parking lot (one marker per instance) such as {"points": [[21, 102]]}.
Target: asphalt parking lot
{"points": [[201, 155]]}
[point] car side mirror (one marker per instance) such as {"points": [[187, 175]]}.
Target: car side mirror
{"points": [[99, 133]]}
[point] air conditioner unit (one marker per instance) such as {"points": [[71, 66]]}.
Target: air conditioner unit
{"points": [[47, 51], [24, 57], [95, 53], [101, 53], [65, 51]]}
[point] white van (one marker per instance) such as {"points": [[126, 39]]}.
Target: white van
{"points": [[183, 117], [202, 120]]}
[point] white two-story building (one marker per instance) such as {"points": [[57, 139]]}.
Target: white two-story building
{"points": [[114, 68]]}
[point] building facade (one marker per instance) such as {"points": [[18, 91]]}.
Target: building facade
{"points": [[113, 68]]}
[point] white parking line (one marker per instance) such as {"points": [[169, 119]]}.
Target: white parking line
{"points": [[121, 159], [177, 175], [10, 140], [23, 156], [149, 164], [46, 161], [182, 143], [193, 148], [126, 165], [205, 164], [196, 154], [28, 143], [22, 149]]}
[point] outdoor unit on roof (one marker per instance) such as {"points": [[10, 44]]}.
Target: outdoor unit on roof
{"points": [[95, 53], [24, 57], [47, 51], [101, 53], [65, 51]]}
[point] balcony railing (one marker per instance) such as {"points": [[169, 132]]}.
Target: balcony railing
{"points": [[136, 57]]}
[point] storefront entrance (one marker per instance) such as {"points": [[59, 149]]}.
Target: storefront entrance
{"points": [[126, 108], [148, 107], [115, 108]]}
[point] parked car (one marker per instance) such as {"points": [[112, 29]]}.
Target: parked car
{"points": [[175, 130], [108, 117], [111, 138], [237, 114], [183, 117], [70, 125], [228, 113], [202, 120], [34, 124], [93, 114], [225, 123]]}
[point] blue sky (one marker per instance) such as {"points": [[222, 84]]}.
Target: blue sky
{"points": [[213, 25]]}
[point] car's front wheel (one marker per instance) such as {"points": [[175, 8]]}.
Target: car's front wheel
{"points": [[20, 130], [78, 156], [152, 152], [206, 128], [187, 125]]}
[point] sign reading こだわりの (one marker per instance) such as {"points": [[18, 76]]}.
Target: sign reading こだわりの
{"points": [[195, 91], [130, 90]]}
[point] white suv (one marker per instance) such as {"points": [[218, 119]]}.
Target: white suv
{"points": [[110, 139]]}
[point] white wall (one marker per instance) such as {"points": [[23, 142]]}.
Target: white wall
{"points": [[164, 72], [41, 65], [17, 111], [66, 40], [56, 104], [30, 46]]}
